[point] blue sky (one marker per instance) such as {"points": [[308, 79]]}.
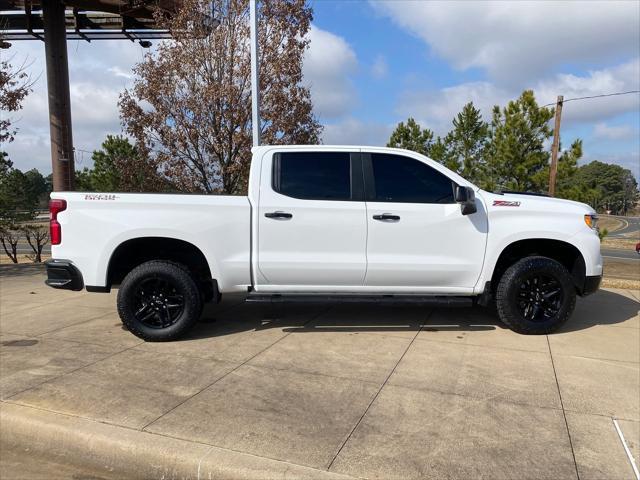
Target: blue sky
{"points": [[372, 64], [426, 59]]}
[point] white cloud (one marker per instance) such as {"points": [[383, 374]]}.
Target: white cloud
{"points": [[379, 69], [98, 72], [615, 132], [436, 108], [351, 131], [621, 78], [118, 72], [517, 41], [327, 65]]}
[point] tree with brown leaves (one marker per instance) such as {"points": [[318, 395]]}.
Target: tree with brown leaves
{"points": [[190, 106], [15, 85]]}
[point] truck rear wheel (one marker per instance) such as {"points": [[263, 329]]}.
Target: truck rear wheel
{"points": [[159, 301], [535, 296]]}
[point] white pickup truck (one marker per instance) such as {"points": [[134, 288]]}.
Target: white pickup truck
{"points": [[328, 223]]}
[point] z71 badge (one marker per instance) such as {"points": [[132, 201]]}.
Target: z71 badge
{"points": [[505, 203]]}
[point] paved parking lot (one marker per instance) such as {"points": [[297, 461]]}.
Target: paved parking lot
{"points": [[365, 391]]}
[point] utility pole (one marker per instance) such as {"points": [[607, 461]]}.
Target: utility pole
{"points": [[255, 74], [55, 46], [553, 170]]}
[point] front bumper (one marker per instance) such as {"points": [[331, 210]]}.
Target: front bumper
{"points": [[63, 274], [591, 285]]}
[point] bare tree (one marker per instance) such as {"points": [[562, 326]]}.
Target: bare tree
{"points": [[190, 106], [9, 239], [37, 237]]}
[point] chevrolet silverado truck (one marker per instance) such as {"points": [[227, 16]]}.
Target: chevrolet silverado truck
{"points": [[333, 224]]}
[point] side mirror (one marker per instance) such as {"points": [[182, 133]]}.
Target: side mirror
{"points": [[466, 197]]}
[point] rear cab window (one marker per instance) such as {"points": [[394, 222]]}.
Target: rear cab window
{"points": [[315, 175]]}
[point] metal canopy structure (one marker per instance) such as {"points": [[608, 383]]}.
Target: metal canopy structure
{"points": [[56, 21], [87, 20], [83, 26]]}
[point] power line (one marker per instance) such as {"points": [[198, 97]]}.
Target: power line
{"points": [[594, 96]]}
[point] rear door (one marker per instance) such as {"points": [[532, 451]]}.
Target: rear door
{"points": [[418, 238], [312, 223]]}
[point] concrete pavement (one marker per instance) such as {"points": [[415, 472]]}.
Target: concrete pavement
{"points": [[319, 391], [17, 464]]}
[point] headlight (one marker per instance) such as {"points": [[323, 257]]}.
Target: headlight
{"points": [[591, 220]]}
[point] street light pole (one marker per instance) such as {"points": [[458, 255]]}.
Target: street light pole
{"points": [[255, 74]]}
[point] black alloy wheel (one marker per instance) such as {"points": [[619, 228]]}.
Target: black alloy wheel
{"points": [[159, 303], [540, 298]]}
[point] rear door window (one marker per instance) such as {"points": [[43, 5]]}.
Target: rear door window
{"points": [[313, 175]]}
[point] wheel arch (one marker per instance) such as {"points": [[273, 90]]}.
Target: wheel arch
{"points": [[561, 251], [135, 251]]}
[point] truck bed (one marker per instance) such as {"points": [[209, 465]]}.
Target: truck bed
{"points": [[95, 224]]}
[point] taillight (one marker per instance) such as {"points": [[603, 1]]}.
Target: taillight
{"points": [[55, 229]]}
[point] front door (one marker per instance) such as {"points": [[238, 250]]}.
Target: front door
{"points": [[418, 239], [312, 221]]}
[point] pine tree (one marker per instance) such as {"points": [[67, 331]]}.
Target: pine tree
{"points": [[118, 166], [411, 136], [467, 143], [516, 153], [441, 152], [567, 168]]}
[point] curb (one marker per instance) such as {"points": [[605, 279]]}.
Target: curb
{"points": [[133, 453]]}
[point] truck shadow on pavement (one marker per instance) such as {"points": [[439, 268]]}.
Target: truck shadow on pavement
{"points": [[603, 308], [316, 318]]}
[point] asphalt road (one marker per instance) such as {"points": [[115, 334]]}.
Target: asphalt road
{"points": [[631, 226], [622, 254], [24, 248]]}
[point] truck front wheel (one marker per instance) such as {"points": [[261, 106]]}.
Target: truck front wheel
{"points": [[159, 301], [536, 295]]}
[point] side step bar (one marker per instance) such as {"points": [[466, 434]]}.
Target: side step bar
{"points": [[427, 300]]}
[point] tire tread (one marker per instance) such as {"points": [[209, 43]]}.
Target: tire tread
{"points": [[509, 278]]}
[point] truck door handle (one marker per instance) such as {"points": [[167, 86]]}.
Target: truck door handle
{"points": [[283, 215], [387, 217]]}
